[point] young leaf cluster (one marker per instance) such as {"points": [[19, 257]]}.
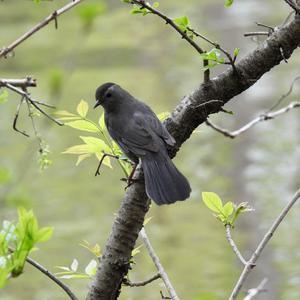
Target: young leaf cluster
{"points": [[98, 145], [137, 9], [17, 240], [226, 213]]}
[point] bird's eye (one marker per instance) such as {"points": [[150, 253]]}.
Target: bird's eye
{"points": [[108, 95]]}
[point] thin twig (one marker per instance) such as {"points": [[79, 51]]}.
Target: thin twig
{"points": [[17, 117], [37, 27], [259, 289], [171, 23], [183, 34], [261, 118], [141, 283], [284, 96], [216, 45], [49, 275], [255, 33], [158, 265], [52, 277], [33, 102], [233, 245], [251, 263]]}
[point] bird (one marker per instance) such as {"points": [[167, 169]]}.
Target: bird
{"points": [[143, 138]]}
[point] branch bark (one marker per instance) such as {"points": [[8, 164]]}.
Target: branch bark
{"points": [[22, 83], [188, 115]]}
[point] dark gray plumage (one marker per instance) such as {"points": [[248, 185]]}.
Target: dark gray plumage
{"points": [[140, 134]]}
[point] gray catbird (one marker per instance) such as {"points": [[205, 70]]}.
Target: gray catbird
{"points": [[142, 137]]}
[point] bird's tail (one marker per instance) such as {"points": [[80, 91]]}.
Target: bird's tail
{"points": [[164, 183]]}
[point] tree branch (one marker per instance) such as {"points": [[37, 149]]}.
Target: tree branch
{"points": [[256, 254], [186, 117], [33, 102], [52, 277], [254, 292], [22, 83], [293, 5], [49, 275], [141, 283], [233, 245], [5, 50], [158, 265], [261, 118]]}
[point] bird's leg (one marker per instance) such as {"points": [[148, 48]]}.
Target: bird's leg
{"points": [[130, 180], [101, 161]]}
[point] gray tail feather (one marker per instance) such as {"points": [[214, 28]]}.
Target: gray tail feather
{"points": [[164, 183]]}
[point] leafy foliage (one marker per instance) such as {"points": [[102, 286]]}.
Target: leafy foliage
{"points": [[17, 240], [227, 213], [44, 161], [89, 271], [228, 3], [183, 24], [137, 9], [214, 58], [97, 146]]}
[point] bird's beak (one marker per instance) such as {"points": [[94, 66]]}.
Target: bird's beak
{"points": [[97, 104]]}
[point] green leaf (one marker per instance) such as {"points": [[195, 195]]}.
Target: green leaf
{"points": [[83, 125], [164, 115], [139, 10], [228, 209], [102, 122], [228, 3], [212, 201], [96, 249], [3, 96], [182, 23], [64, 113], [155, 5], [82, 108], [96, 145], [78, 149], [44, 234], [236, 52], [136, 250], [82, 157], [91, 268], [74, 265]]}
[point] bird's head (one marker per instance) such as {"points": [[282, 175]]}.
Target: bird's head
{"points": [[103, 93]]}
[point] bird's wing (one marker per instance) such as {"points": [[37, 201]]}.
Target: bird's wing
{"points": [[144, 133]]}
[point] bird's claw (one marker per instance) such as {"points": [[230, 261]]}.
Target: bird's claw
{"points": [[129, 182]]}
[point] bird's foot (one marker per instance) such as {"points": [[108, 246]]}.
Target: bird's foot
{"points": [[129, 182]]}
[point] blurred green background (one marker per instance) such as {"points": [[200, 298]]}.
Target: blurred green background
{"points": [[100, 41]]}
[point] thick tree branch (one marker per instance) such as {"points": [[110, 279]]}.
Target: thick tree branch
{"points": [[186, 117], [256, 254], [53, 17], [158, 265]]}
